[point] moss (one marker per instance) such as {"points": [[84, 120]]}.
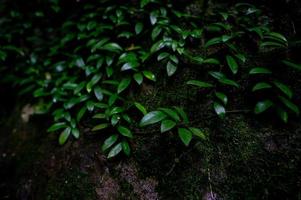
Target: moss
{"points": [[70, 185]]}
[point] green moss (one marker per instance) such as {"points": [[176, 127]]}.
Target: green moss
{"points": [[70, 185]]}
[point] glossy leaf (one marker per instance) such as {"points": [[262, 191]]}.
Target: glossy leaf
{"points": [[232, 64], [263, 106], [141, 108], [221, 96], [125, 131], [167, 125], [126, 148], [100, 127], [64, 136], [123, 84], [261, 86], [109, 142], [260, 70], [185, 135], [284, 88], [115, 150], [171, 68], [57, 126], [200, 84], [290, 105], [152, 118], [219, 110]]}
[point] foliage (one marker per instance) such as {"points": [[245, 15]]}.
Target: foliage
{"points": [[88, 65]]}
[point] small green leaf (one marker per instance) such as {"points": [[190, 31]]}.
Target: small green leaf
{"points": [[92, 82], [282, 114], [109, 142], [57, 126], [232, 64], [162, 56], [126, 148], [156, 32], [291, 64], [153, 17], [228, 82], [149, 75], [197, 132], [64, 136], [141, 108], [220, 110], [171, 113], [182, 114], [290, 105], [166, 125], [152, 118], [221, 96], [138, 78], [125, 131], [260, 86], [81, 113], [75, 132], [100, 126], [98, 93], [263, 106], [115, 119], [260, 70], [115, 150], [114, 47], [138, 28], [284, 88], [185, 135], [123, 84], [200, 84], [171, 68]]}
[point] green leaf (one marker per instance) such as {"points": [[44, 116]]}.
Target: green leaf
{"points": [[197, 132], [115, 150], [126, 148], [282, 114], [152, 118], [149, 75], [263, 106], [81, 113], [92, 82], [138, 78], [109, 142], [57, 126], [98, 93], [100, 126], [228, 82], [75, 132], [125, 131], [290, 105], [291, 64], [222, 97], [200, 84], [166, 125], [171, 68], [115, 119], [114, 47], [123, 84], [64, 136], [171, 113], [141, 108], [138, 28], [143, 3], [162, 56], [156, 32], [260, 86], [99, 116], [116, 110], [284, 88], [153, 17], [219, 110], [260, 70], [185, 135], [182, 114], [232, 64]]}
